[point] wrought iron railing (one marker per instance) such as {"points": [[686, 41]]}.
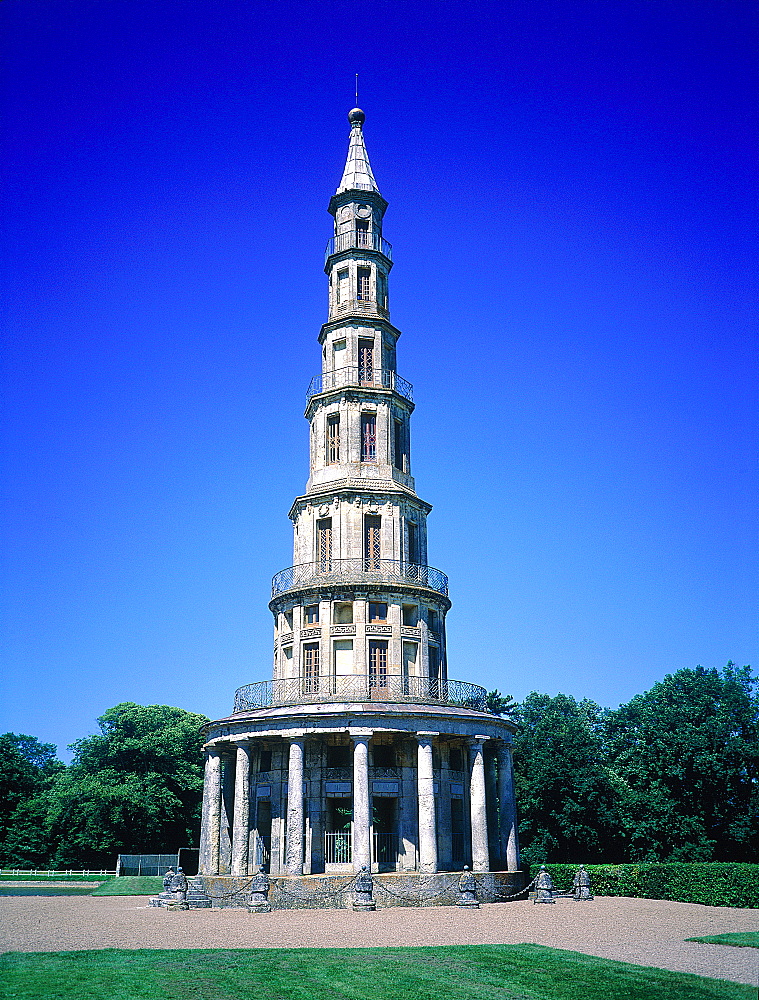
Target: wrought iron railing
{"points": [[358, 570], [357, 687], [353, 375], [385, 848], [360, 238], [337, 847]]}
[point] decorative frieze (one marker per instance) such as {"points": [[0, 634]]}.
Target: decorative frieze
{"points": [[342, 630], [379, 629], [310, 633]]}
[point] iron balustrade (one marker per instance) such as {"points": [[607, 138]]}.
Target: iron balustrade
{"points": [[338, 849], [385, 848], [357, 687], [354, 376], [358, 238], [360, 570]]}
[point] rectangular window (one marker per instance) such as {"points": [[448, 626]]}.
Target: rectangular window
{"points": [[377, 611], [400, 460], [339, 349], [366, 362], [372, 545], [343, 650], [364, 276], [368, 437], [377, 663], [311, 614], [324, 544], [264, 761], [382, 289], [409, 665], [455, 759], [311, 668], [342, 613], [287, 661], [432, 620], [383, 755], [342, 286], [338, 756], [410, 614], [333, 438], [362, 233], [434, 662], [413, 543]]}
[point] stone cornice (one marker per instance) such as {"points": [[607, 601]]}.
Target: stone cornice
{"points": [[372, 491]]}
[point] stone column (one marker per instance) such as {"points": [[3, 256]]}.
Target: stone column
{"points": [[426, 794], [509, 835], [241, 822], [294, 855], [227, 811], [362, 845], [211, 821], [480, 861], [491, 805]]}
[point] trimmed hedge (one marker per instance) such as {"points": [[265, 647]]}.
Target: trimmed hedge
{"points": [[712, 883]]}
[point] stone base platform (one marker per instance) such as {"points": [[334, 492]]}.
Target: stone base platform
{"points": [[318, 892], [197, 899]]}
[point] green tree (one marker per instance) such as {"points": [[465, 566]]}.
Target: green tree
{"points": [[566, 796], [26, 767], [686, 754], [136, 787], [500, 704]]}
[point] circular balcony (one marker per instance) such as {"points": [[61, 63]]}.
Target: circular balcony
{"points": [[359, 239], [316, 690], [358, 571], [355, 377]]}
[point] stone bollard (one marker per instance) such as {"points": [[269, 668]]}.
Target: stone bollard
{"points": [[178, 892], [543, 887], [362, 893], [468, 890], [581, 885], [258, 900]]}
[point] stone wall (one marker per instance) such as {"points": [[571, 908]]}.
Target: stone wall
{"points": [[390, 889]]}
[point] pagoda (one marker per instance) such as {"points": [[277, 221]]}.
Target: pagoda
{"points": [[361, 750]]}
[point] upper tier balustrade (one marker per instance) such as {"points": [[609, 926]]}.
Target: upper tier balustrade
{"points": [[360, 571], [360, 239], [353, 687], [356, 376]]}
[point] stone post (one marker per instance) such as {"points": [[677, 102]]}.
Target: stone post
{"points": [[426, 795], [509, 836], [227, 811], [480, 861], [241, 822], [211, 821], [362, 845], [294, 854]]}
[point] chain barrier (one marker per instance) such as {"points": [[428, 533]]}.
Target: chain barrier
{"points": [[413, 897], [497, 897]]}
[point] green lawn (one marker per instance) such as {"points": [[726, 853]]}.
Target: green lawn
{"points": [[478, 972], [131, 885], [741, 939]]}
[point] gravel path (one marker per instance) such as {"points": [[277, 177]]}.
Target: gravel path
{"points": [[641, 931]]}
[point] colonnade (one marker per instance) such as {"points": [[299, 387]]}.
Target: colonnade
{"points": [[492, 824]]}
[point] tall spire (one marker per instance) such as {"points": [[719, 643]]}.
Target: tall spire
{"points": [[358, 172]]}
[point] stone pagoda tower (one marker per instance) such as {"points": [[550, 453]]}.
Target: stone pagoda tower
{"points": [[360, 750]]}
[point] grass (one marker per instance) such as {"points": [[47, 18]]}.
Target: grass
{"points": [[131, 885], [476, 972], [741, 939]]}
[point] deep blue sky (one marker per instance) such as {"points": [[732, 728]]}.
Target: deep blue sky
{"points": [[572, 191]]}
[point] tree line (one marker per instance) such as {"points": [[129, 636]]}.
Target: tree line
{"points": [[673, 775]]}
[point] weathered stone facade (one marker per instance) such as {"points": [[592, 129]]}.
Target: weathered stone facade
{"points": [[397, 767]]}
